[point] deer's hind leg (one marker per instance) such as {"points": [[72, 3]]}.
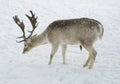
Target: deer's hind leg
{"points": [[92, 56], [87, 62]]}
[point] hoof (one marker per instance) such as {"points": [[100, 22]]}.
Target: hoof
{"points": [[49, 63], [64, 63], [84, 65], [90, 67]]}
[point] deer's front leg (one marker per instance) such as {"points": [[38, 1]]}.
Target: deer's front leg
{"points": [[64, 47], [53, 51]]}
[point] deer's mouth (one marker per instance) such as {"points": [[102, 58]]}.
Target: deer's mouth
{"points": [[25, 51]]}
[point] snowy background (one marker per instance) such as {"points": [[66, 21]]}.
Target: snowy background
{"points": [[33, 68]]}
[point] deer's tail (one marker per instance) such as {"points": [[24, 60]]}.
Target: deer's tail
{"points": [[101, 31]]}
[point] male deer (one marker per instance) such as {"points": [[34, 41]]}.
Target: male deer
{"points": [[83, 32]]}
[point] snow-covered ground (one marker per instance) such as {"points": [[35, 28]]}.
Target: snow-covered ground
{"points": [[33, 68]]}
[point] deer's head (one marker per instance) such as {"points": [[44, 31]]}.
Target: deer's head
{"points": [[28, 41]]}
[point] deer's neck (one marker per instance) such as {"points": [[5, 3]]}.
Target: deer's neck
{"points": [[40, 39]]}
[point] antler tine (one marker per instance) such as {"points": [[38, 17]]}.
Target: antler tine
{"points": [[22, 27], [20, 41], [20, 24], [33, 21]]}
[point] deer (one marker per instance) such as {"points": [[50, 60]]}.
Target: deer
{"points": [[79, 31]]}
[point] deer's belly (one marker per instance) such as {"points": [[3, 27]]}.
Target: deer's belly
{"points": [[71, 42]]}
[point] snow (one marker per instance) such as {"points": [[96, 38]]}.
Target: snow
{"points": [[33, 68]]}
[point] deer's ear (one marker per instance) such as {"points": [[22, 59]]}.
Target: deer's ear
{"points": [[34, 36]]}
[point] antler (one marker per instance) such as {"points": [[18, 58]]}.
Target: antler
{"points": [[33, 21], [22, 27]]}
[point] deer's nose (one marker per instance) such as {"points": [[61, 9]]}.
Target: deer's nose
{"points": [[24, 52]]}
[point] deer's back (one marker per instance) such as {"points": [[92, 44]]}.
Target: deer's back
{"points": [[73, 31]]}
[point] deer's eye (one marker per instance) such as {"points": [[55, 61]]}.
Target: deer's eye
{"points": [[26, 45]]}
